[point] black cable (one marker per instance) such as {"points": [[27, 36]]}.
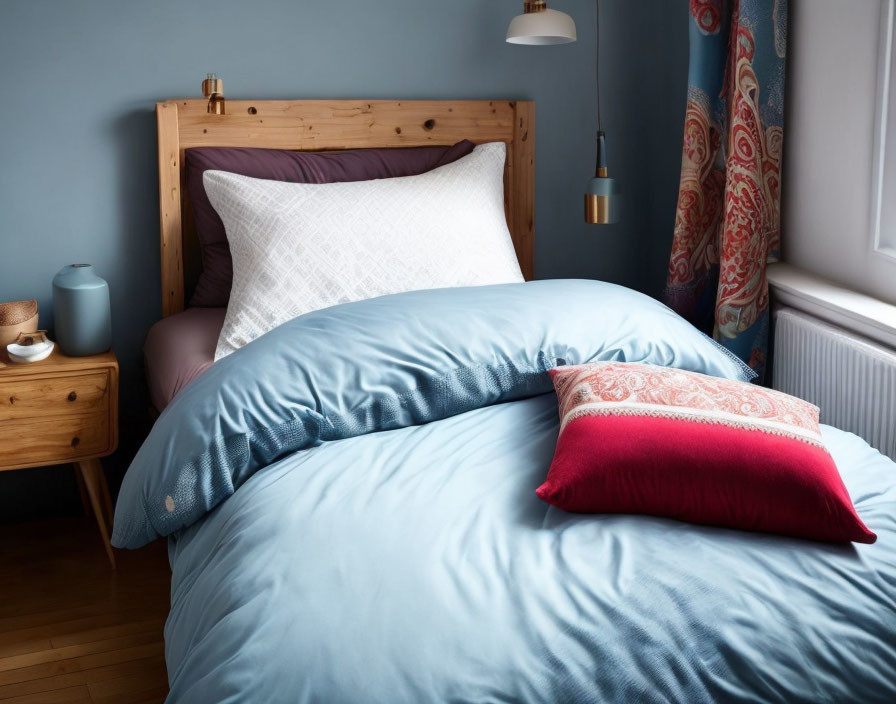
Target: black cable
{"points": [[597, 59]]}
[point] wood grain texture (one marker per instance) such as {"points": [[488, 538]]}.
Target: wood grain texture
{"points": [[47, 441], [344, 124], [71, 630], [327, 125], [62, 409], [98, 492], [63, 393], [170, 215], [58, 362], [522, 187]]}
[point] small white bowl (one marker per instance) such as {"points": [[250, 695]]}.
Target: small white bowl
{"points": [[29, 353]]}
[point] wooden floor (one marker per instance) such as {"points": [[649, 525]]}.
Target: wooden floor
{"points": [[71, 628]]}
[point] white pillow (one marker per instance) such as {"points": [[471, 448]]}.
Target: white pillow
{"points": [[300, 247]]}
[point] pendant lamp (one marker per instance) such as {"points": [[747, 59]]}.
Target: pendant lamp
{"points": [[602, 194], [539, 25]]}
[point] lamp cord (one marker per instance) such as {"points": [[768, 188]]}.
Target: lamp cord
{"points": [[600, 156], [597, 59]]}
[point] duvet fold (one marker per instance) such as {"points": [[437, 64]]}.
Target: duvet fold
{"points": [[382, 364]]}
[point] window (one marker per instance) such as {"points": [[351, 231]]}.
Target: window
{"points": [[884, 182]]}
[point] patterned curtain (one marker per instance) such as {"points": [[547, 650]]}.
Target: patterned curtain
{"points": [[727, 225]]}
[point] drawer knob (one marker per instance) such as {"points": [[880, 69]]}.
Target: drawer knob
{"points": [[75, 441], [72, 396]]}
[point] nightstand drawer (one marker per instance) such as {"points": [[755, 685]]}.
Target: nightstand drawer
{"points": [[62, 439], [65, 395]]}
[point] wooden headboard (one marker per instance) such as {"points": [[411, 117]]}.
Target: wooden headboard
{"points": [[330, 125]]}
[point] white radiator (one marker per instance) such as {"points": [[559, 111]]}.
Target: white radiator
{"points": [[851, 379]]}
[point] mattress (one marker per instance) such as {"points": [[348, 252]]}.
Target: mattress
{"points": [[178, 349]]}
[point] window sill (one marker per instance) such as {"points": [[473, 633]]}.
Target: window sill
{"points": [[824, 299]]}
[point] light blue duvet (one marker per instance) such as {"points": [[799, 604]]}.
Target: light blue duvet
{"points": [[380, 539]]}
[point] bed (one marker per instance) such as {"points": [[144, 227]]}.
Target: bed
{"points": [[349, 500]]}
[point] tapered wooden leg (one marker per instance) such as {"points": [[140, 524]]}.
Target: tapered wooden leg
{"points": [[82, 490], [95, 480]]}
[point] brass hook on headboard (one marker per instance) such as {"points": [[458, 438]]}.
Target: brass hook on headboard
{"points": [[213, 89]]}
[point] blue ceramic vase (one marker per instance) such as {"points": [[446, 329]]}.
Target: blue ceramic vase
{"points": [[82, 313]]}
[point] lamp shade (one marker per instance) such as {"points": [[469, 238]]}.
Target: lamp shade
{"points": [[541, 26], [602, 198]]}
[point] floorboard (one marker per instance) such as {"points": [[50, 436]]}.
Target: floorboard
{"points": [[71, 628]]}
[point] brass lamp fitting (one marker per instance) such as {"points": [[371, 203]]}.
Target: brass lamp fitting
{"points": [[602, 194], [213, 89]]}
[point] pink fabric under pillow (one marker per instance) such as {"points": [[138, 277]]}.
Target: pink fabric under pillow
{"points": [[636, 438], [178, 349], [213, 287]]}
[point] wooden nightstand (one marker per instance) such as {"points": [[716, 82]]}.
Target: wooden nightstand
{"points": [[60, 410]]}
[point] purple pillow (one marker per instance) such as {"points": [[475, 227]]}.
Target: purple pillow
{"points": [[213, 287]]}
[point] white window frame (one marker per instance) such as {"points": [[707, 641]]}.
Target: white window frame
{"points": [[883, 213]]}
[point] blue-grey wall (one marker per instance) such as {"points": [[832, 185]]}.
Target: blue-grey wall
{"points": [[77, 129]]}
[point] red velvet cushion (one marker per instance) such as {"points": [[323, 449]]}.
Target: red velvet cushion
{"points": [[213, 287], [636, 438]]}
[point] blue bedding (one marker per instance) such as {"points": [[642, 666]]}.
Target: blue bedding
{"points": [[337, 538]]}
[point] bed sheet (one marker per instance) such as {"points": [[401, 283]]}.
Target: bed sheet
{"points": [[178, 349]]}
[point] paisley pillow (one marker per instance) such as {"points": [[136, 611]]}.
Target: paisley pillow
{"points": [[636, 438]]}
